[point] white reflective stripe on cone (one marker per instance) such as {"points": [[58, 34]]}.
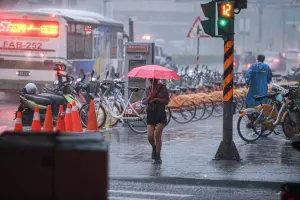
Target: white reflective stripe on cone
{"points": [[36, 116], [18, 121], [74, 108], [68, 111]]}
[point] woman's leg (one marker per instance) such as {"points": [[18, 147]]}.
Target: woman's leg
{"points": [[151, 129], [151, 140], [158, 134]]}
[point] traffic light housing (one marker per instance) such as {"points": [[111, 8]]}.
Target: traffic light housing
{"points": [[225, 22], [209, 11], [241, 4]]}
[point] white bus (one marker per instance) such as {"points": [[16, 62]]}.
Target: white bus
{"points": [[32, 41]]}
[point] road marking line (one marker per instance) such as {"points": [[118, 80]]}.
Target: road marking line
{"points": [[150, 193], [127, 198]]}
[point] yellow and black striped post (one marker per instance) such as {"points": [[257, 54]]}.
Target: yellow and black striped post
{"points": [[227, 149]]}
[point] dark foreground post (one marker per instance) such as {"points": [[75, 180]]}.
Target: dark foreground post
{"points": [[52, 166]]}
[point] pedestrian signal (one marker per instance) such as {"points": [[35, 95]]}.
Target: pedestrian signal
{"points": [[225, 10]]}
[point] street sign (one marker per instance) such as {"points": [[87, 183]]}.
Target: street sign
{"points": [[194, 30]]}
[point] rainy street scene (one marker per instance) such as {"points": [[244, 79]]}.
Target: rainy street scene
{"points": [[150, 100]]}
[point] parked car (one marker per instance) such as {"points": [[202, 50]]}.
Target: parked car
{"points": [[292, 54], [276, 61], [293, 57]]}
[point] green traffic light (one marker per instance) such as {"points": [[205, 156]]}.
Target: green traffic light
{"points": [[223, 22]]}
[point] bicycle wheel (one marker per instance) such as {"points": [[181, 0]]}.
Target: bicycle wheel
{"points": [[168, 115], [100, 115], [116, 109], [290, 128], [218, 109], [239, 103], [249, 126], [200, 111], [209, 109], [185, 112], [138, 125]]}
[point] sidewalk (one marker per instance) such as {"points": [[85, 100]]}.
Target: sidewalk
{"points": [[187, 156]]}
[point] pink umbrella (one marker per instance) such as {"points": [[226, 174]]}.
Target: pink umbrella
{"points": [[153, 72]]}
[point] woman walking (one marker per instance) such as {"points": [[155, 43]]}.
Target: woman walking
{"points": [[156, 97]]}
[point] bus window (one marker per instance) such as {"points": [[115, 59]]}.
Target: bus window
{"points": [[79, 42], [156, 51]]}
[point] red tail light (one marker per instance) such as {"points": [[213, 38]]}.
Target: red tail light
{"points": [[276, 60]]}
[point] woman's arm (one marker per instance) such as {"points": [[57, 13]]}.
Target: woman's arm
{"points": [[163, 96], [145, 97]]}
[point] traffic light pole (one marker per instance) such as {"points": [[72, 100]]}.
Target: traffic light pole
{"points": [[227, 149], [198, 46]]}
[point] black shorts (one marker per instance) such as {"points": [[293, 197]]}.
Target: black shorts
{"points": [[156, 116]]}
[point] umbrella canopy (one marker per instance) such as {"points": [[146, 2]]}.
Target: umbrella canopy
{"points": [[154, 72]]}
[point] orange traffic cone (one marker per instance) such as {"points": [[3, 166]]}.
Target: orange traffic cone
{"points": [[48, 123], [76, 122], [68, 118], [60, 123], [36, 122], [92, 120], [18, 123]]}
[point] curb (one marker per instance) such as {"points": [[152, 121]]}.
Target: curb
{"points": [[202, 182]]}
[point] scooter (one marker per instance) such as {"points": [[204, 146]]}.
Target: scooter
{"points": [[60, 95]]}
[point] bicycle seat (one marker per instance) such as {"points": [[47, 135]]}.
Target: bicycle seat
{"points": [[182, 88], [135, 89], [173, 90], [118, 86], [276, 75], [218, 82], [259, 98], [192, 89], [208, 85]]}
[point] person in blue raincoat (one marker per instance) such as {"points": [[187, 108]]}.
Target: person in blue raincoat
{"points": [[257, 79]]}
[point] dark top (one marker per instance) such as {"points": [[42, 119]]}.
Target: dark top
{"points": [[163, 93]]}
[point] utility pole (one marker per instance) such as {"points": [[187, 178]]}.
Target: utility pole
{"points": [[105, 7], [198, 46], [131, 30]]}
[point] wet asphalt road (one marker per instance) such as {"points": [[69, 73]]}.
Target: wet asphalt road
{"points": [[120, 190]]}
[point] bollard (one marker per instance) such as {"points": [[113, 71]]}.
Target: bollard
{"points": [[53, 166]]}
